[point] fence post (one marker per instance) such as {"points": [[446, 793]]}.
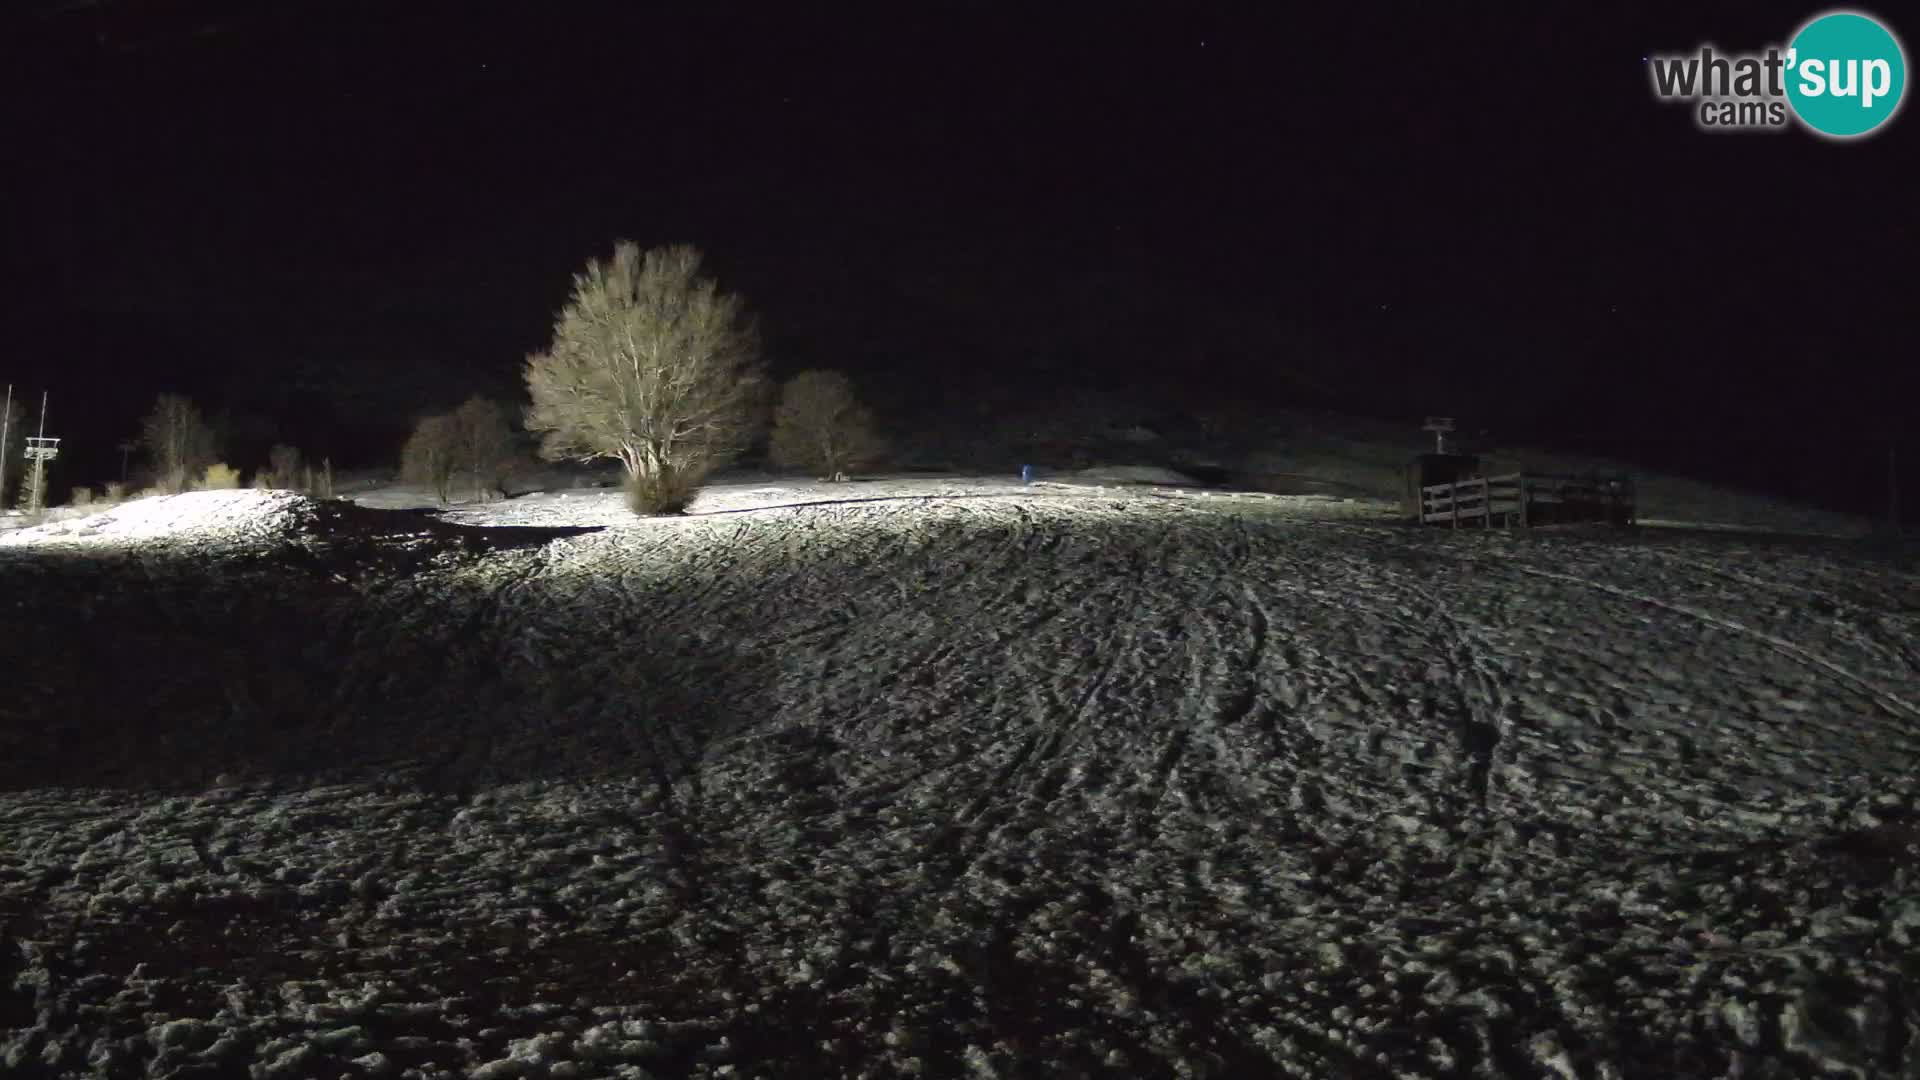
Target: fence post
{"points": [[1453, 491]]}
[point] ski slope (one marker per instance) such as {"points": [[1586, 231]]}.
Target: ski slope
{"points": [[950, 778]]}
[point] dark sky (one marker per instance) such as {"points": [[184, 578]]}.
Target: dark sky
{"points": [[329, 216]]}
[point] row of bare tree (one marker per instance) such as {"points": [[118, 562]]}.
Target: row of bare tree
{"points": [[178, 442], [652, 365], [819, 425], [473, 445], [183, 452]]}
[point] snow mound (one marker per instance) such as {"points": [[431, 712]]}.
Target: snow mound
{"points": [[232, 517]]}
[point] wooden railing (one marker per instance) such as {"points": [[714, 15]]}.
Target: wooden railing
{"points": [[1528, 499]]}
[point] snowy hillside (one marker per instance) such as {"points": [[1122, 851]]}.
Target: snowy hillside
{"points": [[1293, 450], [950, 778]]}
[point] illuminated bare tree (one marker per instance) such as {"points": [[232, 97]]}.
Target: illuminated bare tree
{"points": [[820, 425], [428, 457], [484, 450], [652, 365], [283, 462], [178, 441]]}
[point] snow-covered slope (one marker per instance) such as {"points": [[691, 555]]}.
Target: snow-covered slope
{"points": [[206, 518], [958, 779]]}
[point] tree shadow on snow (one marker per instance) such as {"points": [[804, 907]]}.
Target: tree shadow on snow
{"points": [[356, 656], [344, 520], [1023, 493]]}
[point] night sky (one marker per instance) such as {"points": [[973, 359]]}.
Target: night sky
{"points": [[324, 218]]}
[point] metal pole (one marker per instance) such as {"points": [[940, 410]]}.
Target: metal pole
{"points": [[40, 463]]}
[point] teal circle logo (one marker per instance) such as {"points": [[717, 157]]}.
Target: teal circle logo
{"points": [[1845, 74]]}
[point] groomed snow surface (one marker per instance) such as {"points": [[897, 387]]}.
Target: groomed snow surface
{"points": [[949, 779]]}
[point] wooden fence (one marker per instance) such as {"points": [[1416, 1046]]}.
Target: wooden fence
{"points": [[1528, 499]]}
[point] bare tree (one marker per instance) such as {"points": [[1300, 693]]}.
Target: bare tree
{"points": [[485, 444], [650, 364], [821, 425], [179, 443], [428, 457], [283, 461]]}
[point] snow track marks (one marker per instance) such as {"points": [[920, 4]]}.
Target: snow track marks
{"points": [[1057, 785]]}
